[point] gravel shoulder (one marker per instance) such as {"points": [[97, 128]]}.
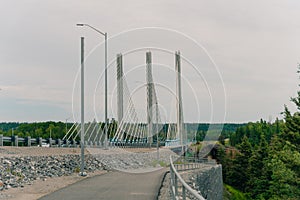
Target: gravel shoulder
{"points": [[8, 151], [42, 187], [17, 162]]}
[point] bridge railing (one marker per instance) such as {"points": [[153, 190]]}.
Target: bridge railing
{"points": [[176, 180]]}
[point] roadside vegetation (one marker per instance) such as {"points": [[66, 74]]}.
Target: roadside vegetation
{"points": [[262, 159], [233, 194]]}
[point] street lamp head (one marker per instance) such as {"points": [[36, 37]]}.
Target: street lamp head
{"points": [[104, 34]]}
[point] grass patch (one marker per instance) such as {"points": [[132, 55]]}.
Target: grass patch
{"points": [[231, 193], [77, 170], [160, 162]]}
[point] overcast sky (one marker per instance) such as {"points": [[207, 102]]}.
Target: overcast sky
{"points": [[252, 46]]}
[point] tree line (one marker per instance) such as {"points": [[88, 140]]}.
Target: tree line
{"points": [[35, 129], [263, 159], [59, 129]]}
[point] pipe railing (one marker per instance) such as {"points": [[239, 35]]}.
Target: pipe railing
{"points": [[175, 179], [184, 160], [28, 141]]}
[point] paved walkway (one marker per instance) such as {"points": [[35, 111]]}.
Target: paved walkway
{"points": [[113, 185]]}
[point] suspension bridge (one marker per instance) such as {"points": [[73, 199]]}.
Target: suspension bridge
{"points": [[128, 129]]}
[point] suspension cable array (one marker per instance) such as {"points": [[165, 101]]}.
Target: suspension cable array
{"points": [[129, 129]]}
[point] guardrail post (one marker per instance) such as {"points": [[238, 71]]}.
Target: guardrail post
{"points": [[40, 141], [28, 141], [183, 193], [50, 142], [59, 142], [176, 185], [16, 141], [171, 183], [1, 140]]}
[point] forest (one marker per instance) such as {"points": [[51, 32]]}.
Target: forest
{"points": [[262, 160]]}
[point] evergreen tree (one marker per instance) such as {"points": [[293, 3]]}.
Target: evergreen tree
{"points": [[226, 161], [284, 165], [258, 172], [292, 122], [292, 127], [239, 176]]}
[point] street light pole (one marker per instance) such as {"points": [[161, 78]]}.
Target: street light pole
{"points": [[105, 80], [157, 145], [82, 108], [12, 133], [106, 120], [67, 125]]}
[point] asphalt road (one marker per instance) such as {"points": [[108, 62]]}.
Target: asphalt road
{"points": [[113, 185]]}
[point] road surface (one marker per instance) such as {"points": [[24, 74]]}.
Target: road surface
{"points": [[113, 185]]}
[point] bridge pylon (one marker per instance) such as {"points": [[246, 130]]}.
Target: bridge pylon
{"points": [[150, 88]]}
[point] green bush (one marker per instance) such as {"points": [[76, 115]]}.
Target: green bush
{"points": [[233, 194]]}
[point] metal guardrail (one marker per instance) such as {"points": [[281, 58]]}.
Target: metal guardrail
{"points": [[185, 160], [28, 141], [134, 145], [176, 178], [187, 166]]}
